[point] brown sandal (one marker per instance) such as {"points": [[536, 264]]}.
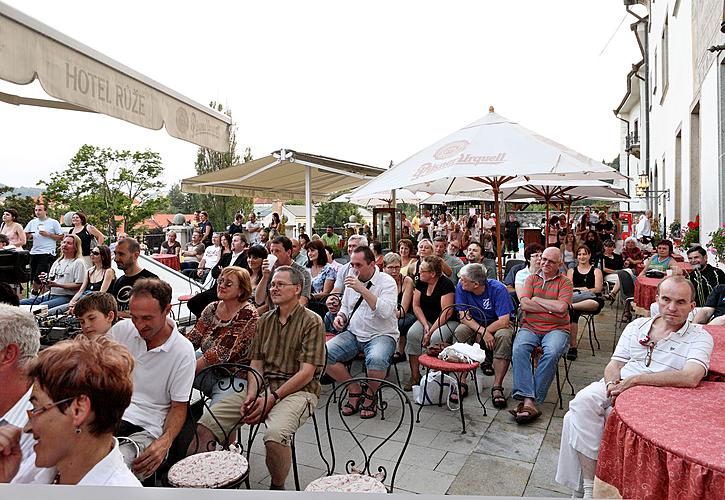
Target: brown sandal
{"points": [[529, 414]]}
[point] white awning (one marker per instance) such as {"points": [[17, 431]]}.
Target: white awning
{"points": [[86, 80]]}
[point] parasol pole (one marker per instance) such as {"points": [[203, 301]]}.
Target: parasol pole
{"points": [[499, 273]]}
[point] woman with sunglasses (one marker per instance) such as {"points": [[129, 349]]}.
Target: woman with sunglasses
{"points": [[224, 332], [81, 389], [99, 277]]}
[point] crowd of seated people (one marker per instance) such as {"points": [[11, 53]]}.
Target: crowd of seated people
{"points": [[269, 306]]}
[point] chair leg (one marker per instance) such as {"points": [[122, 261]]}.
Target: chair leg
{"points": [[566, 373], [424, 389], [588, 324], [460, 400], [558, 387], [295, 472], [478, 393]]}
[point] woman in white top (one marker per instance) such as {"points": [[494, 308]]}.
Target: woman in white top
{"points": [[81, 389], [532, 255], [212, 255], [12, 229]]}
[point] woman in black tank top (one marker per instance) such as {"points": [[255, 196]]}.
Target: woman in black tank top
{"points": [[585, 278], [86, 233]]}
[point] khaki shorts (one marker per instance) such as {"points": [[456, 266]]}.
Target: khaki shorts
{"points": [[285, 418], [502, 340]]}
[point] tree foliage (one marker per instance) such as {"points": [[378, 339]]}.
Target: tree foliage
{"points": [[104, 183], [221, 209], [335, 214], [25, 205]]}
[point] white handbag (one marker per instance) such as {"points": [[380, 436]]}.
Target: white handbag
{"points": [[437, 384]]}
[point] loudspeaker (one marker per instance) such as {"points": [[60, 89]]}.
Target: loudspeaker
{"points": [[14, 266]]}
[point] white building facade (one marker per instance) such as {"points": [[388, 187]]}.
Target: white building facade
{"points": [[673, 114]]}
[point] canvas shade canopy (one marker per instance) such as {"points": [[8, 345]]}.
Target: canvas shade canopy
{"points": [[488, 154], [86, 80], [385, 199], [285, 175]]}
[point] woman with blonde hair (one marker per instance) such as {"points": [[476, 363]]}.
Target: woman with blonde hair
{"points": [[224, 331], [64, 278], [81, 389]]}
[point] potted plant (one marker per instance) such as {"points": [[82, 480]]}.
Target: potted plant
{"points": [[691, 234], [716, 245]]}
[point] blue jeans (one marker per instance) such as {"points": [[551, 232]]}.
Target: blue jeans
{"points": [[537, 385], [57, 304], [345, 346]]}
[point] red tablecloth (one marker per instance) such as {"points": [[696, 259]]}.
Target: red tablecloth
{"points": [[685, 266], [645, 291], [169, 260], [666, 442], [717, 359]]}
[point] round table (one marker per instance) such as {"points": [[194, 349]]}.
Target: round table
{"points": [[169, 260], [664, 443], [645, 291], [717, 358]]}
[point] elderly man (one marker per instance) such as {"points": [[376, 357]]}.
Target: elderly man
{"points": [[368, 323], [545, 302], [289, 351], [489, 318], [281, 249], [299, 254], [665, 350], [162, 376], [193, 253], [440, 244], [126, 258], [19, 343], [704, 277], [713, 312], [644, 228], [254, 229]]}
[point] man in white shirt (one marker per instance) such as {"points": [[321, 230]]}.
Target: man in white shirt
{"points": [[253, 229], [664, 351], [644, 228], [45, 233], [368, 322], [333, 301], [162, 377], [19, 343]]}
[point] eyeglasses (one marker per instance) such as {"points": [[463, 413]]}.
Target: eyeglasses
{"points": [[425, 271], [279, 285], [95, 252], [393, 268], [544, 260], [37, 411], [227, 284], [646, 342]]}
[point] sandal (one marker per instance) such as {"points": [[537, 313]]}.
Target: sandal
{"points": [[464, 393], [524, 414], [398, 357], [348, 408], [371, 409], [487, 369], [572, 354], [500, 400]]}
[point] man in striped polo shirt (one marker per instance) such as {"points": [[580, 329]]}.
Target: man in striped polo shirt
{"points": [[545, 303]]}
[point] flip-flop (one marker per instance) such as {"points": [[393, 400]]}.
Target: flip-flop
{"points": [[531, 414]]}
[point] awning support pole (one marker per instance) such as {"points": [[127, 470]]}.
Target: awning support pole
{"points": [[308, 200]]}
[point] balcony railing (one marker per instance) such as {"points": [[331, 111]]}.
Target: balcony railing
{"points": [[632, 144]]}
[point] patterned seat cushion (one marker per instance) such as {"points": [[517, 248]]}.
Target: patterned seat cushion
{"points": [[347, 483], [214, 469]]}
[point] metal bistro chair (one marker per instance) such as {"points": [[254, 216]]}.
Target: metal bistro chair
{"points": [[535, 355], [360, 473], [457, 369], [626, 294], [222, 464]]}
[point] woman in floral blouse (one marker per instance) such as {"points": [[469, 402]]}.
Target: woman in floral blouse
{"points": [[224, 331]]}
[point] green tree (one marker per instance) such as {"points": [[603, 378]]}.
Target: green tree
{"points": [[25, 205], [180, 202], [105, 183], [335, 214], [221, 209]]}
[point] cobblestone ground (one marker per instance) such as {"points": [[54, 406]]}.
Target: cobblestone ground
{"points": [[496, 457]]}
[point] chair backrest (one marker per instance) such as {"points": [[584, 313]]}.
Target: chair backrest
{"points": [[464, 309], [222, 377], [359, 459], [626, 284], [511, 263]]}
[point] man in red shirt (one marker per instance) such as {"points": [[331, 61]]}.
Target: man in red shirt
{"points": [[545, 303]]}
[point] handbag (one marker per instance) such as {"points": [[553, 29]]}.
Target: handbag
{"points": [[435, 349], [438, 387]]}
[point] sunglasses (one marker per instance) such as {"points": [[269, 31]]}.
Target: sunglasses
{"points": [[95, 252]]}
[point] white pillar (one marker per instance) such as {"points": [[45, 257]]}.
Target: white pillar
{"points": [[308, 200]]}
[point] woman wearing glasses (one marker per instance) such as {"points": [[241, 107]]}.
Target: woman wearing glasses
{"points": [[224, 331], [99, 277], [81, 389]]}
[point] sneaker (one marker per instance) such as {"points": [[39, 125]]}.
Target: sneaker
{"points": [[572, 354]]}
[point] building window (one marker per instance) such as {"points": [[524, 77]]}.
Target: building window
{"points": [[665, 61], [653, 73]]}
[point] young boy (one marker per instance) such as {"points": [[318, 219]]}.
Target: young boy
{"points": [[96, 312]]}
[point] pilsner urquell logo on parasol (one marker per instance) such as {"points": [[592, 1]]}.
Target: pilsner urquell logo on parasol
{"points": [[452, 149]]}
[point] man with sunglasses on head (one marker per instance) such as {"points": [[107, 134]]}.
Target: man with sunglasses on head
{"points": [[664, 351]]}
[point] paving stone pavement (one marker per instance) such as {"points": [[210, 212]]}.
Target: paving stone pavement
{"points": [[496, 457]]}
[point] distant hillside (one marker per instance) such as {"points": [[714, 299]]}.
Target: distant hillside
{"points": [[25, 191]]}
